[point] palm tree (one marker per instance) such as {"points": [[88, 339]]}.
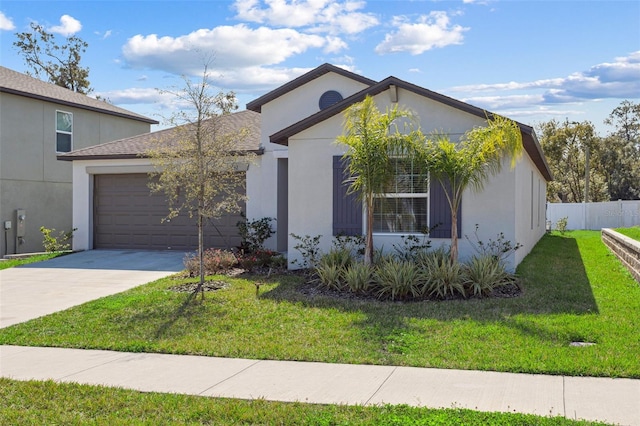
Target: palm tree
{"points": [[470, 162], [373, 139]]}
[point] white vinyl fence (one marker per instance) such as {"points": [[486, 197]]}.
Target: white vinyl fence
{"points": [[595, 216]]}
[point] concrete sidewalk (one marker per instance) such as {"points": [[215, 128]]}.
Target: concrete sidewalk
{"points": [[604, 399]]}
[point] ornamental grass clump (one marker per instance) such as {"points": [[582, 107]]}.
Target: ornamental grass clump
{"points": [[443, 276], [482, 274], [329, 276], [358, 277], [398, 280]]}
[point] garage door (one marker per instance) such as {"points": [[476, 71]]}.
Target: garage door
{"points": [[127, 216]]}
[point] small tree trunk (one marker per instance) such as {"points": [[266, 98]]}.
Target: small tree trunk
{"points": [[454, 234], [201, 253], [368, 248]]}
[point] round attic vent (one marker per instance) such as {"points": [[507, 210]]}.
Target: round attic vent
{"points": [[329, 98]]}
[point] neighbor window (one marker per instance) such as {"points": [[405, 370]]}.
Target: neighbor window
{"points": [[64, 131], [403, 208]]}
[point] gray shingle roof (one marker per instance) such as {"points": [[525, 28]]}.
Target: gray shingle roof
{"points": [[136, 146], [23, 85]]}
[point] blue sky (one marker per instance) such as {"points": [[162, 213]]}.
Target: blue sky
{"points": [[529, 60]]}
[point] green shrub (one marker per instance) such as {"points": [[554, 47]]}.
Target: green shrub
{"points": [[561, 225], [213, 260], [411, 247], [482, 274], [254, 233], [279, 262], [309, 248], [330, 276], [353, 243], [52, 243], [358, 277], [442, 277], [397, 280], [258, 259], [500, 248]]}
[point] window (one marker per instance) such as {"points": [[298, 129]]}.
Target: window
{"points": [[404, 207], [64, 131]]}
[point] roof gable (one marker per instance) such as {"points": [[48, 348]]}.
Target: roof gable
{"points": [[256, 105], [529, 139], [20, 84]]}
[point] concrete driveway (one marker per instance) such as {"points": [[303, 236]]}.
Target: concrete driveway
{"points": [[38, 289]]}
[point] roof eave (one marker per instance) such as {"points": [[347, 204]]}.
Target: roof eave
{"points": [[529, 140], [256, 104], [77, 105]]}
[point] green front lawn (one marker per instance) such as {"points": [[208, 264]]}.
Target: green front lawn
{"points": [[573, 290], [29, 403], [10, 263], [633, 232]]}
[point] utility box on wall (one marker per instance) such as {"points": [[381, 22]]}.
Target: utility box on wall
{"points": [[21, 218]]}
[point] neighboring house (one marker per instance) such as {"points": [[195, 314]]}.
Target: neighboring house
{"points": [[38, 121], [114, 209], [299, 181]]}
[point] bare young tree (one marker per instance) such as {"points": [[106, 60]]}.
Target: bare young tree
{"points": [[60, 64], [199, 166]]}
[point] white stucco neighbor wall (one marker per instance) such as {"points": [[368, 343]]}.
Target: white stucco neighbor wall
{"points": [[83, 171]]}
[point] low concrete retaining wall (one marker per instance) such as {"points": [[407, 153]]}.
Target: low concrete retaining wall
{"points": [[625, 248]]}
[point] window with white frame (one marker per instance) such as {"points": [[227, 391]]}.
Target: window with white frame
{"points": [[404, 207], [64, 131]]}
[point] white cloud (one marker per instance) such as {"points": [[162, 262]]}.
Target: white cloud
{"points": [[619, 79], [328, 16], [6, 24], [334, 45], [68, 26], [104, 35], [233, 47], [511, 101], [430, 31]]}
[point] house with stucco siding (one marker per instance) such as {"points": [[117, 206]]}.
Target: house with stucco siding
{"points": [[298, 178], [301, 171]]}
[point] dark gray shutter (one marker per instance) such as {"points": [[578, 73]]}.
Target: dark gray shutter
{"points": [[347, 209], [440, 212]]}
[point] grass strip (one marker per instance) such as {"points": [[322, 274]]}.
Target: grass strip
{"points": [[10, 263], [633, 232], [28, 403]]}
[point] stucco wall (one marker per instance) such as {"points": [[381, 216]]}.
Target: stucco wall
{"points": [[530, 202], [31, 177], [494, 209], [277, 115]]}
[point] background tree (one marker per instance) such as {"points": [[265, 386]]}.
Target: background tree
{"points": [[59, 63], [373, 139], [197, 168], [620, 152], [470, 162], [564, 145]]}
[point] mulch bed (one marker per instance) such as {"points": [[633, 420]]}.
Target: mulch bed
{"points": [[310, 287]]}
